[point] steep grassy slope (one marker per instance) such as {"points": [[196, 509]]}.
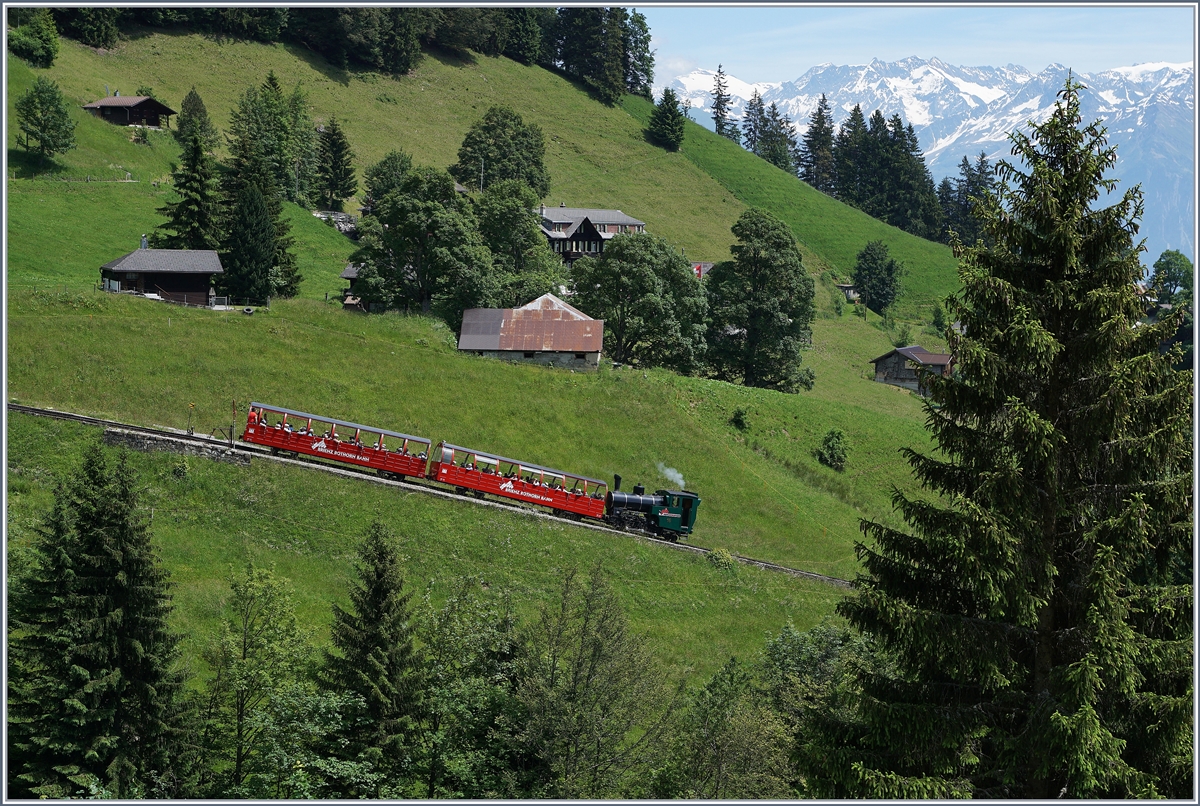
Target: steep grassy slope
{"points": [[597, 156], [830, 230], [764, 493], [307, 523], [143, 362]]}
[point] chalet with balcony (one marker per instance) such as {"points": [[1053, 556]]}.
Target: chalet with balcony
{"points": [[574, 232]]}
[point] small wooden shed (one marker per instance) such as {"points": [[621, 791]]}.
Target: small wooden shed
{"points": [[907, 366], [132, 110]]}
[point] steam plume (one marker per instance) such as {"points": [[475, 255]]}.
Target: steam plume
{"points": [[673, 475]]}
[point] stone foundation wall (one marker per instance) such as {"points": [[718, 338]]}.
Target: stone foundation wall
{"points": [[137, 441]]}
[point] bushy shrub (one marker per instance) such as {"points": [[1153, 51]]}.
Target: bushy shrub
{"points": [[722, 559], [833, 450]]}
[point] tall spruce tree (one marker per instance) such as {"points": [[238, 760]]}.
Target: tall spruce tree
{"points": [[1039, 612], [248, 252], [335, 169], [761, 307], [753, 122], [877, 276], [849, 157], [193, 222], [639, 58], [94, 704], [250, 165], [777, 141], [193, 119], [376, 659], [720, 108], [666, 121], [816, 154]]}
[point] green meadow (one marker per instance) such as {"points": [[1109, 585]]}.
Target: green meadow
{"points": [[764, 493]]}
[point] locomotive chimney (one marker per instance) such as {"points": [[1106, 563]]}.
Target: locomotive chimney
{"points": [[616, 482], [639, 489]]}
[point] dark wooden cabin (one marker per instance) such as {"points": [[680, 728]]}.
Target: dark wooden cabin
{"points": [[906, 366], [134, 110], [178, 275]]}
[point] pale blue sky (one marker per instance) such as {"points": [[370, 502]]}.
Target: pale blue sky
{"points": [[779, 44]]}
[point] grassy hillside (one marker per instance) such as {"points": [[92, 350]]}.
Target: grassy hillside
{"points": [[831, 231], [307, 524], [765, 495], [144, 362]]}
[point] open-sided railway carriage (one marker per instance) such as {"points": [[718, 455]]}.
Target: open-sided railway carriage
{"points": [[487, 473], [668, 513], [388, 452]]}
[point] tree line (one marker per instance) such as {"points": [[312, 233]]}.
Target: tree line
{"points": [[607, 49]]}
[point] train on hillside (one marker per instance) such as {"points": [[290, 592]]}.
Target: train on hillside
{"points": [[668, 514]]}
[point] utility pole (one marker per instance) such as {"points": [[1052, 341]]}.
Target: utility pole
{"points": [[481, 174]]}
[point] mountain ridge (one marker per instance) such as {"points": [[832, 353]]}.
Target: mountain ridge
{"points": [[959, 111]]}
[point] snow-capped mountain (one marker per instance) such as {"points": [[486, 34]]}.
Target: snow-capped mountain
{"points": [[962, 111]]}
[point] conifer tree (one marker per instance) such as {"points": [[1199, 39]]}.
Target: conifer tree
{"points": [[666, 121], [248, 252], [609, 81], [639, 58], [720, 109], [849, 157], [375, 657], [817, 166], [753, 122], [335, 171], [42, 117], [1038, 608], [777, 140], [761, 307], [249, 165], [877, 276], [193, 222], [35, 39], [193, 119], [94, 703]]}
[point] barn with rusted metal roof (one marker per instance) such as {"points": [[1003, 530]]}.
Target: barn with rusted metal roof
{"points": [[546, 331]]}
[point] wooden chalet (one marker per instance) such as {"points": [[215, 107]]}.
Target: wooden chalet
{"points": [[176, 275], [907, 367], [133, 110], [546, 331], [574, 232]]}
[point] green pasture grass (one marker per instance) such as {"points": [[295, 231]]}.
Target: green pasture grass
{"points": [[102, 151], [764, 494], [597, 156], [306, 524], [61, 233], [832, 231]]}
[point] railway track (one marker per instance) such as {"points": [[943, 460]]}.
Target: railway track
{"points": [[408, 484]]}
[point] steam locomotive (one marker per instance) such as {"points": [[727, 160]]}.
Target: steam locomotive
{"points": [[669, 514]]}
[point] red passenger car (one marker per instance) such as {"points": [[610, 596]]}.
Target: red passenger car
{"points": [[366, 446], [468, 469]]}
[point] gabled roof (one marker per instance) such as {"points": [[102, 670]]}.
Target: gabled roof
{"points": [[350, 272], [174, 261], [568, 215], [917, 353], [545, 325], [549, 302], [131, 101]]}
